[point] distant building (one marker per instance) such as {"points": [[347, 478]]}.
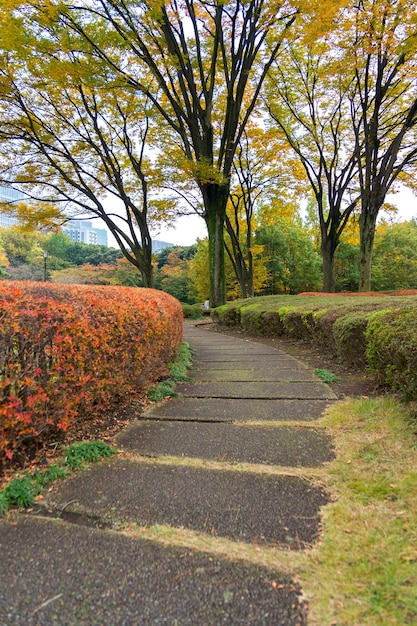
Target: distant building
{"points": [[84, 232], [157, 245], [9, 195]]}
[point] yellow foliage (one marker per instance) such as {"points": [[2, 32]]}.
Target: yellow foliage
{"points": [[198, 270], [4, 261], [39, 216]]}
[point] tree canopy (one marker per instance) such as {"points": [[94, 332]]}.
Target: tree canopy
{"points": [[103, 101]]}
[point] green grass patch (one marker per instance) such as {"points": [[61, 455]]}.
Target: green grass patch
{"points": [[181, 364], [21, 492], [164, 389], [79, 454], [177, 373], [365, 569], [326, 376]]}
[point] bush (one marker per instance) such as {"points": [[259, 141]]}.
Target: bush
{"points": [[378, 331], [67, 351], [349, 335], [392, 349], [192, 311]]}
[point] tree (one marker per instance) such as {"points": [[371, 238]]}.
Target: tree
{"points": [[291, 260], [259, 170], [68, 136], [382, 49], [21, 246], [395, 256], [308, 102], [198, 270], [202, 66]]}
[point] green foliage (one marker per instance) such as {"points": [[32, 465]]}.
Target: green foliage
{"points": [[22, 247], [326, 376], [292, 262], [79, 454], [346, 267], [177, 373], [192, 311], [57, 245], [20, 492], [164, 389], [185, 253], [80, 253], [182, 362], [349, 336], [55, 471], [392, 349], [174, 276], [394, 260], [4, 504], [379, 332]]}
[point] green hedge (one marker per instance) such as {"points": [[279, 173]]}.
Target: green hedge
{"points": [[391, 348], [374, 332]]}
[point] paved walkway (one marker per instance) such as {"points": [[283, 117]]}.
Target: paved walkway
{"points": [[159, 534]]}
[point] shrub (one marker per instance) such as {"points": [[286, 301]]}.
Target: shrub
{"points": [[349, 335], [192, 311], [392, 349], [69, 350], [375, 330]]}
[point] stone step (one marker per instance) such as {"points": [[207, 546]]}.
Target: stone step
{"points": [[242, 506], [58, 573], [232, 409], [230, 443]]}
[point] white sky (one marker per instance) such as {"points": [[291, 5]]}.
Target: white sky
{"points": [[188, 229]]}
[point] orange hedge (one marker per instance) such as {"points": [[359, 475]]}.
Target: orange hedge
{"points": [[69, 350]]}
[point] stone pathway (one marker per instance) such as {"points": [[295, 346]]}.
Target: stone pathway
{"points": [[158, 534]]}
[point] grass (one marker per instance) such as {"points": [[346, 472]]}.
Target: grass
{"points": [[22, 491], [79, 454], [365, 570], [177, 373], [326, 376]]}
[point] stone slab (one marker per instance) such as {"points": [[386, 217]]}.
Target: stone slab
{"points": [[58, 574], [251, 375], [256, 359], [219, 503], [261, 362], [296, 447], [232, 409], [242, 349], [261, 390]]}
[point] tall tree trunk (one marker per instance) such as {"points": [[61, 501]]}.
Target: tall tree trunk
{"points": [[327, 253], [367, 236], [243, 268], [146, 269], [215, 200]]}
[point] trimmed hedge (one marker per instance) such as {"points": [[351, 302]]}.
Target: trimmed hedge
{"points": [[391, 349], [378, 332], [67, 351]]}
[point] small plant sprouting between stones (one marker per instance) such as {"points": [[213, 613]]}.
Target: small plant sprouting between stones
{"points": [[22, 491], [326, 376]]}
